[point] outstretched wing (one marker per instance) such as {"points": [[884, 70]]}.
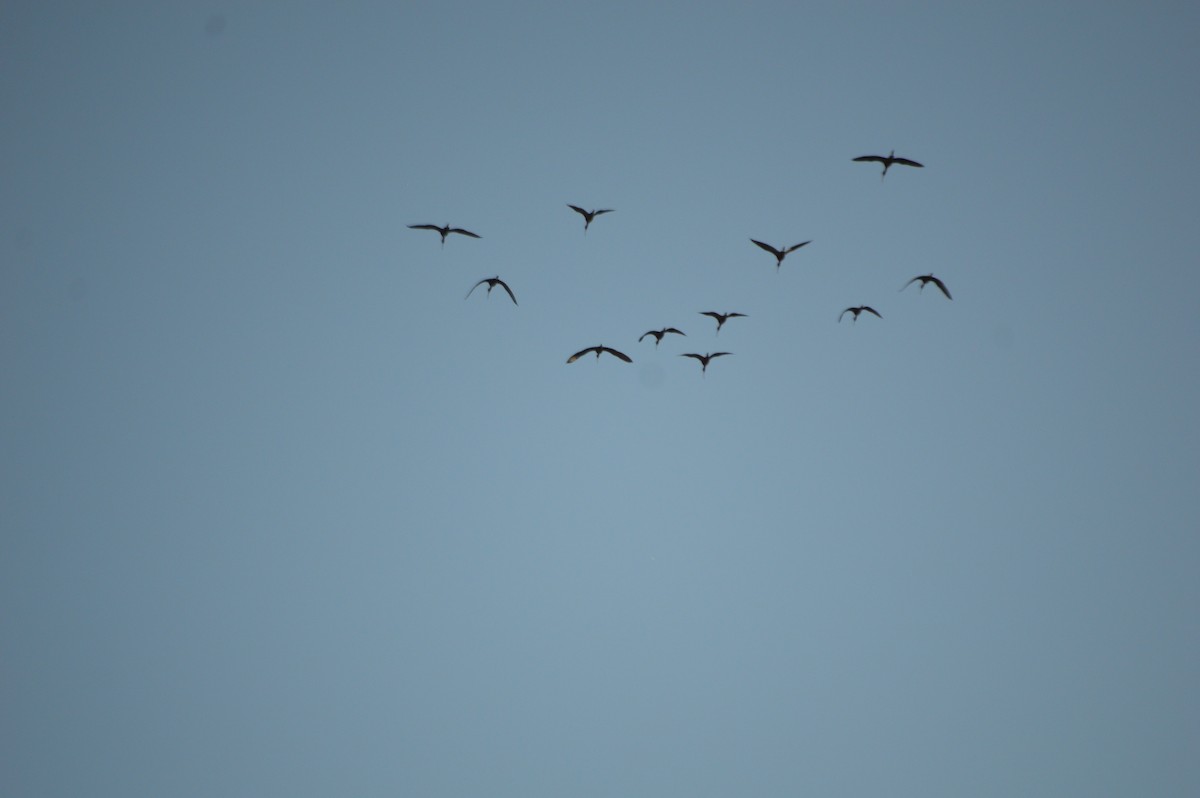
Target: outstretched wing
{"points": [[481, 282], [581, 353], [733, 315], [605, 210], [463, 232], [615, 353], [677, 332], [694, 356], [768, 248], [719, 354], [864, 158], [844, 312], [504, 285], [870, 309], [711, 313], [578, 210], [907, 162], [940, 285], [425, 227], [910, 282], [655, 333], [795, 247]]}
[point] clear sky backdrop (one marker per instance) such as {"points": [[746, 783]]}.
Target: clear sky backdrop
{"points": [[282, 514]]}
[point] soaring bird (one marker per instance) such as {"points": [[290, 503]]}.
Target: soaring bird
{"points": [[779, 253], [658, 334], [858, 310], [888, 160], [492, 282], [588, 215], [444, 231], [925, 279], [598, 350], [705, 358], [720, 317]]}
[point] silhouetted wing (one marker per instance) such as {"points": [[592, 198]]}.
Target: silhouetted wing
{"points": [[907, 162], [581, 353], [615, 353], [694, 356], [655, 333], [733, 315], [578, 210], [877, 158], [463, 232], [719, 354], [511, 295], [481, 282], [844, 312], [871, 310], [606, 210], [768, 248], [425, 227], [910, 282], [795, 247], [712, 313], [677, 332], [940, 285]]}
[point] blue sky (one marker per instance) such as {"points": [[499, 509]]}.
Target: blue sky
{"points": [[281, 513]]}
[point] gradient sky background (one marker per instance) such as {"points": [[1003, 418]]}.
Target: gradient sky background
{"points": [[282, 514]]}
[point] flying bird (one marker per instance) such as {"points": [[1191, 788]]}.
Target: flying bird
{"points": [[779, 253], [926, 279], [720, 317], [588, 215], [492, 282], [857, 311], [658, 334], [887, 161], [444, 231], [599, 350], [705, 358]]}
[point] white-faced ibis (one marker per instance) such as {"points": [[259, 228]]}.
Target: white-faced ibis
{"points": [[779, 253], [705, 358], [721, 317], [588, 215], [492, 282], [658, 334], [444, 231], [599, 350], [925, 279], [888, 160], [857, 311]]}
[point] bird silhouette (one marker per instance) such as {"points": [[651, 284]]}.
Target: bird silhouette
{"points": [[444, 231], [705, 358], [779, 253], [658, 334], [926, 279], [720, 317], [492, 282], [887, 161], [599, 350], [857, 311], [588, 215]]}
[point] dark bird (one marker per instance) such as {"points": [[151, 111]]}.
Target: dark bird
{"points": [[598, 350], [779, 253], [857, 311], [720, 317], [925, 279], [492, 282], [444, 231], [658, 334], [887, 161], [588, 215], [705, 358]]}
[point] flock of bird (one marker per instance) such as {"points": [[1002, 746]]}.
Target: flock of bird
{"points": [[888, 161]]}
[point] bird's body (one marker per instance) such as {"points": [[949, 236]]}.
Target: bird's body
{"points": [[705, 358], [887, 161], [492, 282], [721, 317], [926, 279], [779, 253], [588, 216], [600, 350], [858, 310], [443, 231], [658, 334]]}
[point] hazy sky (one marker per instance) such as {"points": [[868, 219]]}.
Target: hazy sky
{"points": [[282, 514]]}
